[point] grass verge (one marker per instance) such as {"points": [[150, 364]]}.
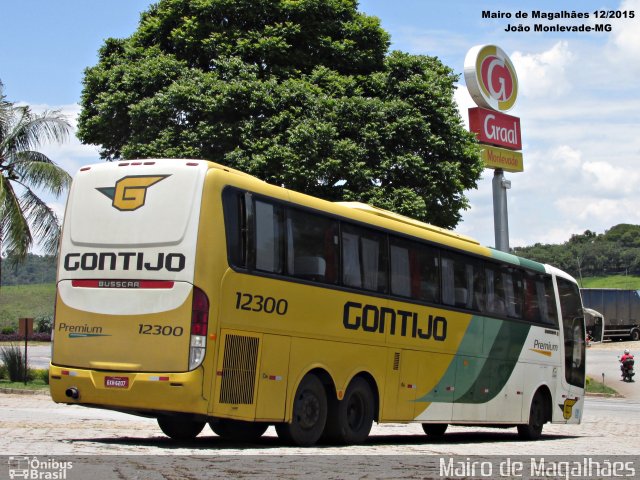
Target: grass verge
{"points": [[593, 386], [31, 385]]}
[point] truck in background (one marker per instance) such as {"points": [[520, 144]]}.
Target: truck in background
{"points": [[594, 323], [620, 309]]}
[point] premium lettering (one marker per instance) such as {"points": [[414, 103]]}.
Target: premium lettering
{"points": [[64, 327], [548, 346]]}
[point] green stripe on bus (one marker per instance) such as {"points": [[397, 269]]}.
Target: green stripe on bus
{"points": [[538, 267], [505, 257], [515, 260], [478, 378], [499, 365], [481, 331]]}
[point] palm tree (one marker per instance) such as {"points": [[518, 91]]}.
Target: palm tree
{"points": [[23, 215]]}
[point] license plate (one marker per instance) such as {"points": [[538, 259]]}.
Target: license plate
{"points": [[116, 382]]}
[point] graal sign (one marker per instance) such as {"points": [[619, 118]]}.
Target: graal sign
{"points": [[491, 78], [493, 85], [495, 128]]}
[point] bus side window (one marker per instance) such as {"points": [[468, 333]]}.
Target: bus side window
{"points": [[268, 237], [364, 254], [414, 270], [401, 272], [539, 306], [461, 282], [494, 291], [235, 226], [532, 298], [512, 281], [551, 311], [312, 246]]}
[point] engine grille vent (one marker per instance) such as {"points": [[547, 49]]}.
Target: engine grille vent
{"points": [[239, 369], [396, 361]]}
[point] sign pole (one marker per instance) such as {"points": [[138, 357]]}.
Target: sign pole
{"points": [[493, 84], [26, 341], [500, 213]]}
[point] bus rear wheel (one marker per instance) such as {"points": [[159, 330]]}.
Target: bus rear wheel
{"points": [[435, 430], [180, 427], [238, 430], [309, 414], [351, 418], [537, 418]]}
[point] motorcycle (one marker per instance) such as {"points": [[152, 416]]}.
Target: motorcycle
{"points": [[627, 370]]}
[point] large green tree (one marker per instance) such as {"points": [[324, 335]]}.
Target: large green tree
{"points": [[301, 93], [24, 172]]}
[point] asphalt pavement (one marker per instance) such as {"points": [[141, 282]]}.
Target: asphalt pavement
{"points": [[602, 359]]}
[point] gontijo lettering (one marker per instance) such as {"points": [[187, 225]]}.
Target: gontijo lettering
{"points": [[405, 323], [173, 262]]}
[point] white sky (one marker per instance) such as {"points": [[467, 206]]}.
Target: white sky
{"points": [[578, 96]]}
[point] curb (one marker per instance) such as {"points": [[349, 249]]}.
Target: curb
{"points": [[603, 395], [20, 391]]}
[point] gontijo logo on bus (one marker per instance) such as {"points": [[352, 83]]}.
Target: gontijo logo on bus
{"points": [[130, 192], [491, 78], [404, 323]]}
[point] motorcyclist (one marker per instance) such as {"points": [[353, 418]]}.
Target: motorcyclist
{"points": [[625, 356]]}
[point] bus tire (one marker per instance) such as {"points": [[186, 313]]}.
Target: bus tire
{"points": [[537, 419], [237, 430], [180, 427], [309, 414], [351, 418], [435, 430], [635, 334]]}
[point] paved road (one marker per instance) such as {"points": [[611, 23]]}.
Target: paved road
{"points": [[39, 356], [110, 445], [32, 425], [603, 358]]}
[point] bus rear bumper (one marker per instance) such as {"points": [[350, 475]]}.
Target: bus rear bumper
{"points": [[129, 391]]}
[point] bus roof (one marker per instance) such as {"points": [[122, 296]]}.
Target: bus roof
{"points": [[365, 207]]}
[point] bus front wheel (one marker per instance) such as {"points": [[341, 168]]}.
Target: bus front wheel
{"points": [[237, 430], [180, 427], [309, 414], [537, 418]]}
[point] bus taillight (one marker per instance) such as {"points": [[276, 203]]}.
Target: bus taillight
{"points": [[199, 323]]}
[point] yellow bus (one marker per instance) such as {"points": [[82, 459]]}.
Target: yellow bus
{"points": [[195, 294]]}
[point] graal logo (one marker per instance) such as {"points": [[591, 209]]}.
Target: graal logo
{"points": [[33, 467], [130, 192]]}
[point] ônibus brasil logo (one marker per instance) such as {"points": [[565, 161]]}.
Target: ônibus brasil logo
{"points": [[130, 193], [491, 78]]}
